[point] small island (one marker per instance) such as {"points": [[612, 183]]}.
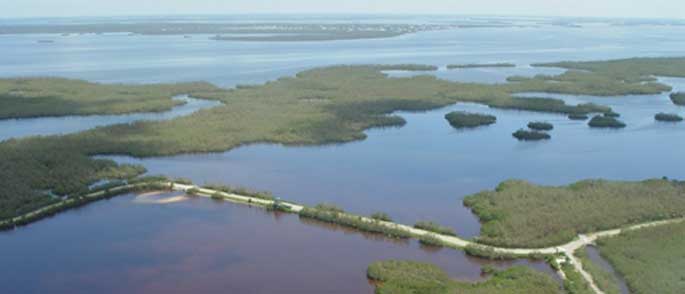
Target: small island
{"points": [[525, 135], [603, 121], [668, 117], [484, 65], [462, 119], [578, 116], [612, 114], [678, 98], [540, 126]]}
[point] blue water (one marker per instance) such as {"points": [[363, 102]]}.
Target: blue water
{"points": [[421, 171], [17, 128]]}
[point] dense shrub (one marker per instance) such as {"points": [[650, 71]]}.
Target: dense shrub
{"points": [[540, 126], [336, 216], [678, 98], [435, 228], [409, 277], [461, 119], [265, 195], [612, 114], [600, 121], [668, 117], [520, 214], [525, 135], [650, 259], [431, 240], [578, 116], [381, 216]]}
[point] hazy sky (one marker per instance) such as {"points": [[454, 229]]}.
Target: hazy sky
{"points": [[613, 8]]}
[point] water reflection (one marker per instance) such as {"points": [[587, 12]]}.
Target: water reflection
{"points": [[120, 246], [17, 128], [596, 258]]}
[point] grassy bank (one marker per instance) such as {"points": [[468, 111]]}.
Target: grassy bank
{"points": [[399, 277], [462, 119], [521, 214], [650, 260], [34, 97], [334, 215], [76, 201], [574, 282], [602, 278]]}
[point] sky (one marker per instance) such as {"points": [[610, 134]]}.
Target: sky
{"points": [[599, 8]]}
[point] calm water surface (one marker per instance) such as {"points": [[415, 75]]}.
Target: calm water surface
{"points": [[422, 170], [17, 128], [594, 255], [132, 244], [418, 172]]}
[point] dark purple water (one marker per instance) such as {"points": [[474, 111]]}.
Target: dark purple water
{"points": [[132, 244]]}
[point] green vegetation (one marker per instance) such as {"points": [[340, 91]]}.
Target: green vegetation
{"points": [[240, 191], [487, 252], [381, 216], [668, 117], [520, 214], [319, 106], [605, 280], [574, 282], [578, 116], [431, 240], [459, 66], [540, 126], [461, 119], [334, 215], [405, 277], [612, 114], [488, 270], [56, 206], [678, 98], [548, 105], [278, 205], [650, 259], [33, 97], [193, 192], [602, 121], [525, 135], [435, 228]]}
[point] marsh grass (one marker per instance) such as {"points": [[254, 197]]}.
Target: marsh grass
{"points": [[35, 97], [409, 277], [521, 214], [650, 259]]}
